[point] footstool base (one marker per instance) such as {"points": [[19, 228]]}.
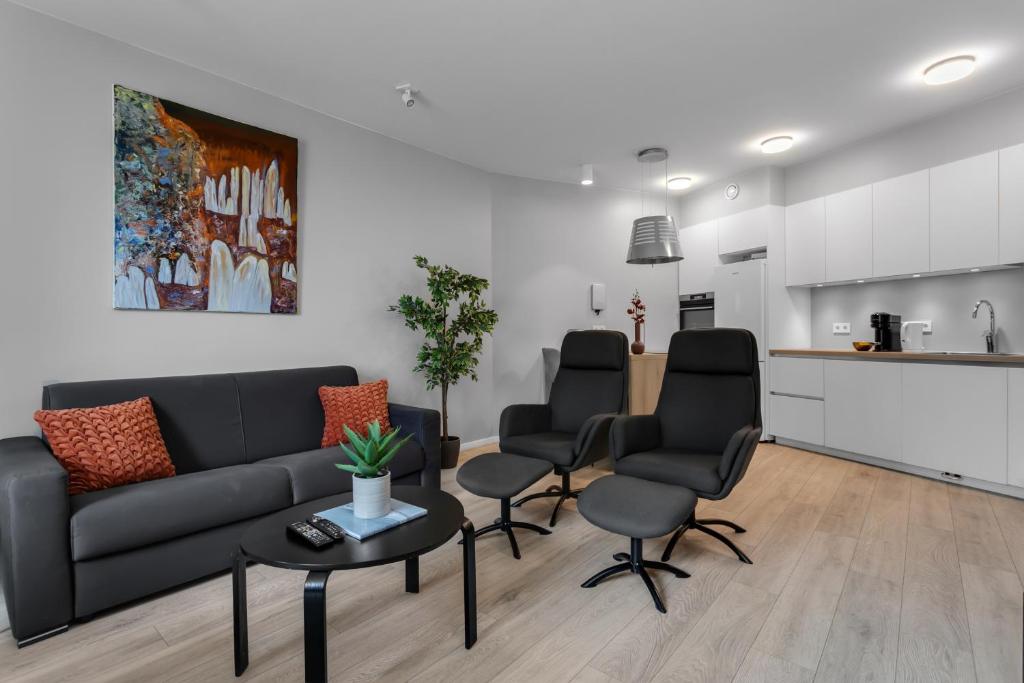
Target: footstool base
{"points": [[634, 562]]}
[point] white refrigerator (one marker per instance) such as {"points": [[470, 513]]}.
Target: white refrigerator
{"points": [[741, 301]]}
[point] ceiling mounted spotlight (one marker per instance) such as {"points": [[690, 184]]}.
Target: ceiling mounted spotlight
{"points": [[587, 174], [949, 70], [779, 143], [408, 93], [679, 183]]}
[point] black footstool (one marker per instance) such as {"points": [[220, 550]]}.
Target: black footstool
{"points": [[501, 476], [639, 509]]}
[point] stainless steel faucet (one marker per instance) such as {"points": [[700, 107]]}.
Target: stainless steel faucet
{"points": [[990, 333]]}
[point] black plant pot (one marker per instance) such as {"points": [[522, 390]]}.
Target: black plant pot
{"points": [[450, 452]]}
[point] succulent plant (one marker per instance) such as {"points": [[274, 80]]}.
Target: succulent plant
{"points": [[371, 454]]}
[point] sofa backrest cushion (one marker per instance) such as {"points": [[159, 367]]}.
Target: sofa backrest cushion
{"points": [[198, 416], [281, 409]]}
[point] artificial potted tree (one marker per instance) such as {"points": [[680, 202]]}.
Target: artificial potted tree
{"points": [[371, 480], [454, 321]]}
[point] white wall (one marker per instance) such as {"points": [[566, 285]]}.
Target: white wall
{"points": [[551, 241], [366, 205], [758, 186], [947, 300], [981, 127]]}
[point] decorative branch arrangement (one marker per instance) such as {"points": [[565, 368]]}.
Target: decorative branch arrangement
{"points": [[638, 312]]}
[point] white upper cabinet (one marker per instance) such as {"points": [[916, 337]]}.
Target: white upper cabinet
{"points": [[700, 257], [748, 230], [805, 242], [848, 220], [901, 225], [964, 201], [1011, 204]]}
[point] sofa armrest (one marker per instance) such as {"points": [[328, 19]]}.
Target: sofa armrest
{"points": [[592, 440], [35, 550], [425, 426], [634, 434], [524, 418]]}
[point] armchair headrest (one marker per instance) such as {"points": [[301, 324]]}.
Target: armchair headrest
{"points": [[594, 350], [715, 351]]}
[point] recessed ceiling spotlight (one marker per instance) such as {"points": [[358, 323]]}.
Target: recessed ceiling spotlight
{"points": [[949, 70], [819, 285], [587, 174], [917, 274], [679, 183], [975, 270], [860, 282], [779, 143]]}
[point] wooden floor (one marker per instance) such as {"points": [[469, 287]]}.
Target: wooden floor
{"points": [[859, 574]]}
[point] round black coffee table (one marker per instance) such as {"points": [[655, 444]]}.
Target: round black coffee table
{"points": [[267, 542]]}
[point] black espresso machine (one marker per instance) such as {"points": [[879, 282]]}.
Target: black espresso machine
{"points": [[887, 331]]}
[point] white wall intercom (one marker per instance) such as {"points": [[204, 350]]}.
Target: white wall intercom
{"points": [[597, 298]]}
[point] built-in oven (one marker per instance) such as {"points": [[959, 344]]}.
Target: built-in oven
{"points": [[696, 311]]}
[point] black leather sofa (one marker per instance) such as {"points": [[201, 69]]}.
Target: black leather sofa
{"points": [[243, 445]]}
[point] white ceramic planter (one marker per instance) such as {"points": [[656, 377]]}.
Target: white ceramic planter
{"points": [[371, 497]]}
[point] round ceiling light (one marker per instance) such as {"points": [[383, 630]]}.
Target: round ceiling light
{"points": [[679, 183], [779, 143], [949, 70]]}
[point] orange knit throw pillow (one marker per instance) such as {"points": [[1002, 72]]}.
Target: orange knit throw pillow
{"points": [[356, 407], [107, 446]]}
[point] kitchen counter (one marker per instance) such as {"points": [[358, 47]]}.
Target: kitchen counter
{"points": [[904, 356]]}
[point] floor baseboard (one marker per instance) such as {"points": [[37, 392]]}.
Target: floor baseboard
{"points": [[479, 442]]}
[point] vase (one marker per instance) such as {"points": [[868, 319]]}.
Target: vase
{"points": [[637, 347], [371, 496]]}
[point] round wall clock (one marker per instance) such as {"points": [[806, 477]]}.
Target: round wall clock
{"points": [[732, 191]]}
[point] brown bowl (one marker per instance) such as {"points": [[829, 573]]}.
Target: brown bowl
{"points": [[864, 345]]}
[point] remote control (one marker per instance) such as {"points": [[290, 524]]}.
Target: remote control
{"points": [[328, 527], [309, 535]]}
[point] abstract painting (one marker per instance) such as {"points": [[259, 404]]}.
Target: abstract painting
{"points": [[205, 210]]}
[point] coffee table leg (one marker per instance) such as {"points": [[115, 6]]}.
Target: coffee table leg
{"points": [[469, 580], [315, 607], [240, 610], [412, 575]]}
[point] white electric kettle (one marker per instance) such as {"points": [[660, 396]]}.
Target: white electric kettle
{"points": [[912, 335]]}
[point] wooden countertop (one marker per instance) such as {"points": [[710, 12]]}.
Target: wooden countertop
{"points": [[903, 356]]}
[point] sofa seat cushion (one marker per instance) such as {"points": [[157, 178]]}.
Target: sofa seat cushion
{"points": [[692, 470], [313, 473], [555, 447], [128, 517]]}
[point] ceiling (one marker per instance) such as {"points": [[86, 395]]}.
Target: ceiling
{"points": [[534, 88]]}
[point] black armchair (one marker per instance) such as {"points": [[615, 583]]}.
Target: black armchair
{"points": [[706, 427], [571, 430]]}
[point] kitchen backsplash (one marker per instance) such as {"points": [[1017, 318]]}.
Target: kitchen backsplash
{"points": [[945, 300]]}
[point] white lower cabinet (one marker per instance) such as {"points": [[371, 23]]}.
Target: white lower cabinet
{"points": [[863, 408], [799, 419], [954, 419], [1015, 428]]}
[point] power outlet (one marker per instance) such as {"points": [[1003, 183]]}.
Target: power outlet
{"points": [[840, 328], [927, 326], [599, 327]]}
